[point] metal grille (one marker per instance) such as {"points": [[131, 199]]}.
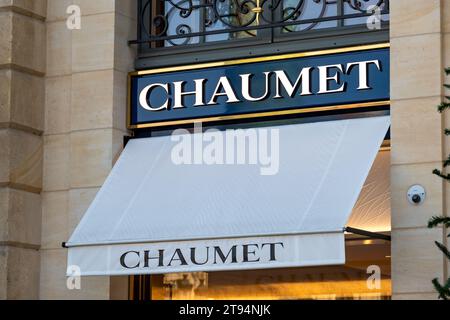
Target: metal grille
{"points": [[179, 23]]}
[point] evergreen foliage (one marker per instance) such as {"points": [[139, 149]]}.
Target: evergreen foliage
{"points": [[442, 289]]}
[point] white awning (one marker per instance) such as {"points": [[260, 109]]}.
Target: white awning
{"points": [[154, 216]]}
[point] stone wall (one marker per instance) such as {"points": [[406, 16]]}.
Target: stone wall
{"points": [[22, 70], [85, 112], [420, 48]]}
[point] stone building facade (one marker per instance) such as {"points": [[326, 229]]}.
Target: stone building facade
{"points": [[420, 48], [62, 121]]}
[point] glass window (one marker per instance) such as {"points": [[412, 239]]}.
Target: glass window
{"points": [[378, 8], [178, 23], [186, 17], [365, 258], [294, 10]]}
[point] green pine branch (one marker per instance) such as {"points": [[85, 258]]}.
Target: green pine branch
{"points": [[440, 174], [447, 72], [443, 290], [443, 106], [443, 249], [447, 162], [437, 221]]}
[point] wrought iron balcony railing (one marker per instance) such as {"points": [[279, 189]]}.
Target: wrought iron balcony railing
{"points": [[181, 23]]}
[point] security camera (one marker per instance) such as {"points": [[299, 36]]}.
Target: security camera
{"points": [[416, 195], [416, 198]]}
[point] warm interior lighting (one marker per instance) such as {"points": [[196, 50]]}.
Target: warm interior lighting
{"points": [[372, 213], [318, 283], [276, 287]]}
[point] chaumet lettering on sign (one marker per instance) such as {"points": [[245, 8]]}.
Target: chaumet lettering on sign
{"points": [[209, 255], [329, 77]]}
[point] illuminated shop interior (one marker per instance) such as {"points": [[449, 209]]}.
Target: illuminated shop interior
{"points": [[353, 280]]}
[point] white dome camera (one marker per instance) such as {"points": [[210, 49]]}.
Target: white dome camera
{"points": [[416, 194]]}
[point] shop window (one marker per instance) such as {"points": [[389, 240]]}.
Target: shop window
{"points": [[348, 282], [366, 274]]}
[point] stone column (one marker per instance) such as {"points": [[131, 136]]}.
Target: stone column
{"points": [[84, 127], [22, 70], [417, 62]]}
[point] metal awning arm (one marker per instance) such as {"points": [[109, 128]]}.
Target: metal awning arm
{"points": [[373, 235]]}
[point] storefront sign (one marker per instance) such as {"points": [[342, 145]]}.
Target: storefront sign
{"points": [[211, 254], [256, 87]]}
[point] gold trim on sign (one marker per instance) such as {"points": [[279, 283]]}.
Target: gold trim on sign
{"points": [[261, 59], [261, 114], [251, 60]]}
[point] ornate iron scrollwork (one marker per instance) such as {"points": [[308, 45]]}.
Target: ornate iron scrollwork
{"points": [[178, 22]]}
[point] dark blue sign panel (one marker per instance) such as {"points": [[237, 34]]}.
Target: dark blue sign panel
{"points": [[266, 86]]}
